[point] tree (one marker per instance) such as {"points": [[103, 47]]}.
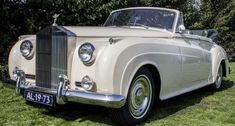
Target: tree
{"points": [[19, 17]]}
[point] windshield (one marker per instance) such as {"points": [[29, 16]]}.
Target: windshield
{"points": [[156, 18]]}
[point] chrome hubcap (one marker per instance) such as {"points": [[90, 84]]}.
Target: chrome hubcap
{"points": [[219, 78], [140, 96]]}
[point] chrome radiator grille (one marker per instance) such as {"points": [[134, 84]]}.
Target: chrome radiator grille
{"points": [[59, 57], [51, 56]]}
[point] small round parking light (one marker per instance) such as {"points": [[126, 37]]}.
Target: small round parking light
{"points": [[87, 83]]}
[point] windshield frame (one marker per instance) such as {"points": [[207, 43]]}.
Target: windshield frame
{"points": [[151, 8]]}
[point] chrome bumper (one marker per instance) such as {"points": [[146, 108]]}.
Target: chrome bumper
{"points": [[64, 95]]}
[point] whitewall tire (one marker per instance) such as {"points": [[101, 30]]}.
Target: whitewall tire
{"points": [[139, 101]]}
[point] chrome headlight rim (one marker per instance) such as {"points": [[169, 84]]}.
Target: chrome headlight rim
{"points": [[26, 49], [86, 53]]}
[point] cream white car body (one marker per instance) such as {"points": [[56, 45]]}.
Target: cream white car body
{"points": [[184, 62]]}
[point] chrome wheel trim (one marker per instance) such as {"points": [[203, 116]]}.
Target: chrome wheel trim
{"points": [[140, 97], [219, 78]]}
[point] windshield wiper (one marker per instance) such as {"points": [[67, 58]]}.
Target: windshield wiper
{"points": [[138, 24]]}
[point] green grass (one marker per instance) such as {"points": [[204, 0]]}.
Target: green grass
{"points": [[202, 107]]}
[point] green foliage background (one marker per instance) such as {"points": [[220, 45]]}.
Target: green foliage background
{"points": [[18, 17]]}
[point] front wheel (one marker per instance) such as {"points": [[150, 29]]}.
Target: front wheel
{"points": [[139, 101]]}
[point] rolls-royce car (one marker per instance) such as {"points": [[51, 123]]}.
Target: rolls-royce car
{"points": [[140, 55]]}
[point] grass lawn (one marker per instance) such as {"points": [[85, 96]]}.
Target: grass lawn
{"points": [[202, 107]]}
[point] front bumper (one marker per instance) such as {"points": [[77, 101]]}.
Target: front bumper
{"points": [[64, 95]]}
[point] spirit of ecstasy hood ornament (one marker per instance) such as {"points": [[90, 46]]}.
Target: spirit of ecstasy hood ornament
{"points": [[55, 16]]}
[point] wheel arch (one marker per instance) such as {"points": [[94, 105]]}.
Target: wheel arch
{"points": [[219, 57], [216, 68], [223, 63], [153, 68], [156, 77]]}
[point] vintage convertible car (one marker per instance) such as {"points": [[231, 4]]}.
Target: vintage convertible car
{"points": [[140, 54]]}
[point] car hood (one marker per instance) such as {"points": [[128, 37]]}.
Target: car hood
{"points": [[92, 31]]}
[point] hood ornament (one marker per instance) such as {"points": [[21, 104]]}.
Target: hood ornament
{"points": [[55, 16]]}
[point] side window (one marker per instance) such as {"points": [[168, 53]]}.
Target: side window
{"points": [[180, 20]]}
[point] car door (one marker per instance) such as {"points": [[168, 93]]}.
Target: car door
{"points": [[191, 55], [192, 59], [206, 44]]}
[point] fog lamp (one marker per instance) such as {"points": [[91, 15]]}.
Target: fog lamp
{"points": [[14, 72], [87, 83]]}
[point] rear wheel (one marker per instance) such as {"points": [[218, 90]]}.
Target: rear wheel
{"points": [[219, 78], [139, 101]]}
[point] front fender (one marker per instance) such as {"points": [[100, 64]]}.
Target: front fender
{"points": [[15, 58], [132, 67], [160, 53]]}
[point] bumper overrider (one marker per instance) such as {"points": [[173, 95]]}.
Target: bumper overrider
{"points": [[63, 95]]}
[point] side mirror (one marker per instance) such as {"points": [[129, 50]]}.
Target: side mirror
{"points": [[181, 29]]}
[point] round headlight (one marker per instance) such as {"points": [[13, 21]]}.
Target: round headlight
{"points": [[26, 48], [86, 52]]}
